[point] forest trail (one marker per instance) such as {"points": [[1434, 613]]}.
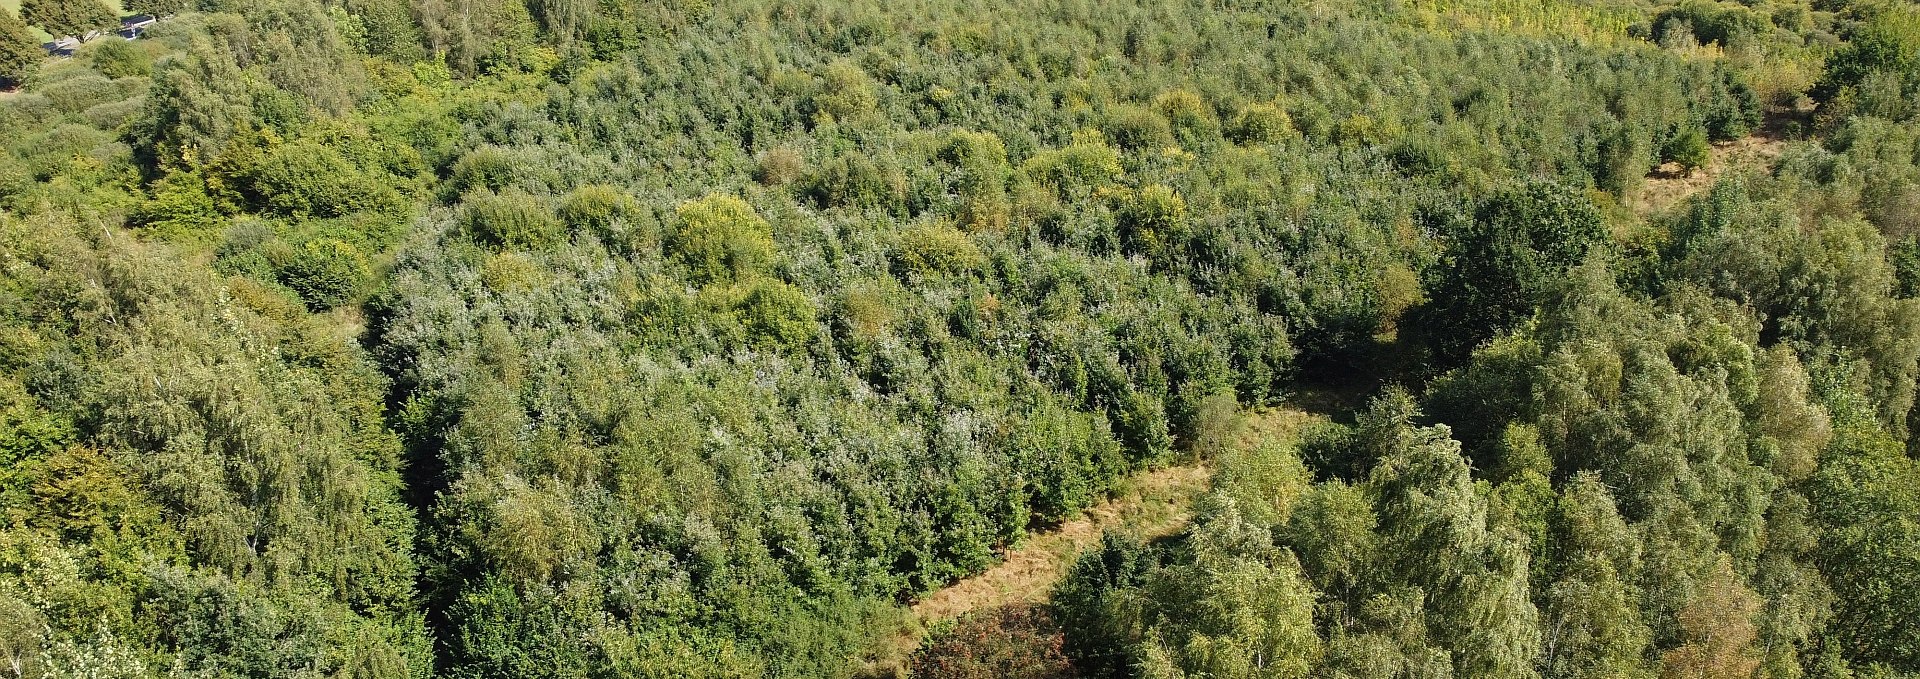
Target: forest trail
{"points": [[1669, 185], [1152, 504], [1155, 504]]}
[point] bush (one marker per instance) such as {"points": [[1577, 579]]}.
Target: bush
{"points": [[1153, 221], [981, 158], [1080, 167], [1012, 642], [609, 215], [1887, 44], [180, 205], [72, 95], [1689, 148], [720, 238], [780, 166], [325, 273], [496, 169], [1261, 123], [764, 313], [306, 179], [854, 180], [778, 315], [1134, 128], [938, 248], [113, 114], [118, 58], [1187, 112], [1093, 602], [510, 220], [849, 92]]}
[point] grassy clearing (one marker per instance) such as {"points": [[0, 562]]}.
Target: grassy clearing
{"points": [[1669, 185]]}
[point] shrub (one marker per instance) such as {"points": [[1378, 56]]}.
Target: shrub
{"points": [[779, 166], [938, 248], [1261, 123], [1011, 642], [325, 273], [720, 238], [496, 169], [854, 180], [849, 92], [981, 158], [1135, 128], [776, 314], [77, 94], [180, 205], [1153, 220], [1885, 44], [510, 220], [118, 58], [763, 313], [1689, 148], [608, 214], [506, 272], [1187, 112], [306, 179], [113, 114], [1085, 164]]}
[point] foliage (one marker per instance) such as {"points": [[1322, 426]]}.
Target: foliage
{"points": [[19, 52], [1261, 123], [719, 238], [67, 17], [604, 338], [1880, 47], [119, 59], [514, 220], [1689, 149], [1502, 259], [325, 273], [1017, 642]]}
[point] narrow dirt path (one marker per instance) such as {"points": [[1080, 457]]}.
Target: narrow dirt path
{"points": [[1157, 505], [1153, 504]]}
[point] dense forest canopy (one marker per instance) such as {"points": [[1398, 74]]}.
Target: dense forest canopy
{"points": [[599, 338]]}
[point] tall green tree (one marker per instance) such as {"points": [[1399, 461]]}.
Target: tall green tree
{"points": [[1591, 622], [1887, 44], [157, 8], [1501, 259], [1438, 539], [19, 52], [67, 17], [1688, 148], [1867, 497]]}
